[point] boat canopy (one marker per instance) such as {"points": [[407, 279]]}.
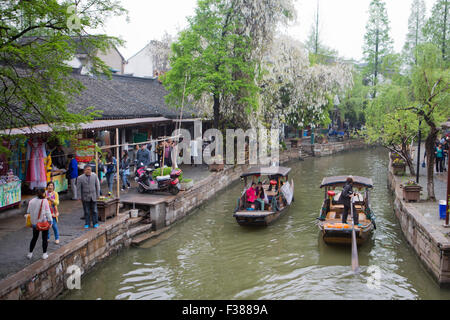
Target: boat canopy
{"points": [[266, 171], [339, 181]]}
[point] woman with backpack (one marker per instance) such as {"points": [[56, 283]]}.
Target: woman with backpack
{"points": [[41, 221]]}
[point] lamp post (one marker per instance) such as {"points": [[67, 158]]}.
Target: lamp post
{"points": [[418, 152]]}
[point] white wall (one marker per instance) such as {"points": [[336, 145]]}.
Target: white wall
{"points": [[141, 64]]}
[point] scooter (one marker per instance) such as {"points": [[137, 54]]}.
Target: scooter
{"points": [[146, 183]]}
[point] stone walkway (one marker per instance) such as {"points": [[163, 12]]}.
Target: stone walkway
{"points": [[430, 209], [15, 237]]}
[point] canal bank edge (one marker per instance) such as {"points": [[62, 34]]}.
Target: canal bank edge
{"points": [[46, 279], [431, 246]]}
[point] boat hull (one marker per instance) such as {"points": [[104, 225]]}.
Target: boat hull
{"points": [[344, 236], [259, 218]]}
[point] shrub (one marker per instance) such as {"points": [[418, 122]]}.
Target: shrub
{"points": [[167, 171]]}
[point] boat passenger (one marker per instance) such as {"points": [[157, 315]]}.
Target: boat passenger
{"points": [[251, 196], [260, 194]]}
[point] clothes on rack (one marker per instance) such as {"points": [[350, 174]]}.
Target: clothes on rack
{"points": [[36, 172]]}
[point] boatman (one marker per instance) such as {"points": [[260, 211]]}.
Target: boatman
{"points": [[346, 200]]}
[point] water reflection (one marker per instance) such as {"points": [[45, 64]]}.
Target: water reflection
{"points": [[209, 256]]}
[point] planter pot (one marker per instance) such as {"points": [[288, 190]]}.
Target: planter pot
{"points": [[187, 185], [107, 209], [294, 143], [399, 169], [411, 193], [216, 167]]}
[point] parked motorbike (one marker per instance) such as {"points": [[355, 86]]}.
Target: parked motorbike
{"points": [[146, 183]]}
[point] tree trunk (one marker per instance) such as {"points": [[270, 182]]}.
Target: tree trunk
{"points": [[445, 31], [216, 109], [377, 40], [429, 147]]}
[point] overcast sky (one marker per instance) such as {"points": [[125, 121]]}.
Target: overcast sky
{"points": [[342, 22]]}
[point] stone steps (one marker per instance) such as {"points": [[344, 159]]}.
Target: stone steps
{"points": [[143, 237], [139, 230]]}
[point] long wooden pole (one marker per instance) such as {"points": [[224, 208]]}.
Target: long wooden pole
{"points": [[117, 169], [96, 161], [355, 262]]}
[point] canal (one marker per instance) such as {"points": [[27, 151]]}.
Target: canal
{"points": [[209, 256]]}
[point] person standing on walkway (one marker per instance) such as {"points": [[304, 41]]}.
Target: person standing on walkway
{"points": [[111, 169], [168, 153], [125, 170], [143, 155], [445, 147], [39, 211], [439, 153], [346, 199], [53, 200], [88, 192], [72, 175]]}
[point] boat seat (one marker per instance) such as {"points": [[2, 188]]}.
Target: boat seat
{"points": [[163, 178], [331, 215]]}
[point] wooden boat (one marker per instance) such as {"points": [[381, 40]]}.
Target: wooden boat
{"points": [[279, 192], [330, 221]]}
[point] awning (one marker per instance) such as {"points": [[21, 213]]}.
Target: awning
{"points": [[266, 171], [339, 181], [94, 125]]}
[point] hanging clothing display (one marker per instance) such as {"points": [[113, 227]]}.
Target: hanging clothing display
{"points": [[36, 172]]}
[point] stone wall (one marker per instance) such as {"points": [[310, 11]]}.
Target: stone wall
{"points": [[432, 247], [46, 279], [327, 149]]}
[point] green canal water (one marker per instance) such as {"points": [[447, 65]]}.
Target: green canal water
{"points": [[209, 256]]}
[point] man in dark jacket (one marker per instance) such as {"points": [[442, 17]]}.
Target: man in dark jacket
{"points": [[346, 200]]}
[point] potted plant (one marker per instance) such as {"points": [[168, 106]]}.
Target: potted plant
{"points": [[106, 207], [395, 155], [399, 166], [217, 164], [411, 191]]}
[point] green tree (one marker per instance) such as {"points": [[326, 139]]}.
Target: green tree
{"points": [[218, 57], [415, 36], [355, 101], [430, 87], [389, 124], [37, 38], [377, 42], [318, 52], [437, 28]]}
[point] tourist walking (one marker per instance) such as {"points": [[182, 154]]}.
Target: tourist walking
{"points": [[194, 151], [53, 200], [41, 221], [88, 192], [346, 200], [439, 153], [125, 170], [111, 169], [72, 175]]}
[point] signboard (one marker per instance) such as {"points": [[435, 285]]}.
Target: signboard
{"points": [[85, 152], [10, 193], [60, 182]]}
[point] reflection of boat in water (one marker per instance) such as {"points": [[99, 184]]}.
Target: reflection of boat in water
{"points": [[330, 220], [279, 194]]}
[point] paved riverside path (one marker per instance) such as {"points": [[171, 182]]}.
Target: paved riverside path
{"points": [[429, 209], [15, 237]]}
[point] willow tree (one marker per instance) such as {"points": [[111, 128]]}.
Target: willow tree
{"points": [[37, 39], [437, 28], [415, 36], [377, 41], [216, 59], [389, 124], [431, 91]]}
